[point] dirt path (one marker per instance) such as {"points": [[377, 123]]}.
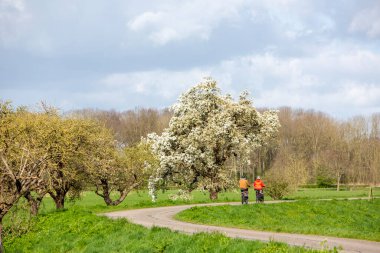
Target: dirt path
{"points": [[163, 217]]}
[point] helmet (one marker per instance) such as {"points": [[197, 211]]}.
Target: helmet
{"points": [[258, 177]]}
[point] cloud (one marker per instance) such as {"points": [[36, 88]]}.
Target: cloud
{"points": [[13, 15], [340, 79], [310, 54], [164, 84], [178, 20], [367, 21], [198, 19]]}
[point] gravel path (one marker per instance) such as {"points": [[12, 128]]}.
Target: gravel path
{"points": [[163, 217]]}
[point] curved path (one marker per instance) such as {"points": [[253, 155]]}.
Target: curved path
{"points": [[163, 217]]}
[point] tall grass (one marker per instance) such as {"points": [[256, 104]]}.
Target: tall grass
{"points": [[342, 218]]}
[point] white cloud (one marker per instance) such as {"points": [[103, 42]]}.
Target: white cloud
{"points": [[146, 19], [361, 94], [367, 21], [158, 83], [335, 79], [13, 16], [178, 20]]}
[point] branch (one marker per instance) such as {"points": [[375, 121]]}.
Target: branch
{"points": [[7, 167], [98, 193], [23, 165]]}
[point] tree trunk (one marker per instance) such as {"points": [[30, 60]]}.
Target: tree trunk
{"points": [[1, 238], [338, 182], [59, 198], [370, 195], [123, 195], [34, 203], [106, 194], [213, 195]]}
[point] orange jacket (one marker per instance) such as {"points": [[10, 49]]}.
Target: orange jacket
{"points": [[243, 184], [258, 184]]}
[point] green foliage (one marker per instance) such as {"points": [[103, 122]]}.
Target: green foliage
{"points": [[278, 189], [352, 219], [78, 230], [20, 219], [324, 181], [278, 185]]}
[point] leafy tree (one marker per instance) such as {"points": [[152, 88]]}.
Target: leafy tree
{"points": [[79, 143], [121, 171], [23, 155], [205, 131]]}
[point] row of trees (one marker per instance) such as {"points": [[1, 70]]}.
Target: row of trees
{"points": [[311, 147], [318, 149], [45, 153], [129, 126]]}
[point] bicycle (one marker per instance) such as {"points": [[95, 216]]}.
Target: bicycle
{"points": [[259, 196], [244, 196]]}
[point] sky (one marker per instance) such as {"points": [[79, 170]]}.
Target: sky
{"points": [[122, 54]]}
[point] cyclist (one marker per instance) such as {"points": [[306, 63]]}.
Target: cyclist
{"points": [[258, 185], [243, 183]]}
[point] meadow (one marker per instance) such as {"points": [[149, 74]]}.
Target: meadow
{"points": [[79, 228], [358, 219], [141, 199]]}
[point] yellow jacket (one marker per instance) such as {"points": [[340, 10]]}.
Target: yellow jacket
{"points": [[243, 184]]}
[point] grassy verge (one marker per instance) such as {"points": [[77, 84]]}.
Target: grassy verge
{"points": [[79, 230], [341, 218]]}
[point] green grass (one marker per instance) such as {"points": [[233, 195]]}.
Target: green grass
{"points": [[79, 230], [138, 199], [52, 229], [331, 193], [341, 218], [141, 199]]}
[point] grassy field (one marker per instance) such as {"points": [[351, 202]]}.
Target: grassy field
{"points": [[141, 199], [341, 218], [79, 229]]}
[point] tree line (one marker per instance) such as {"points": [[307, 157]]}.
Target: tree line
{"points": [[310, 147], [318, 149], [326, 151]]}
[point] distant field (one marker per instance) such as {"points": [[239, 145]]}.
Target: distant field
{"points": [[358, 219]]}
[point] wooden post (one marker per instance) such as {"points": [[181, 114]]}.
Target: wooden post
{"points": [[370, 195]]}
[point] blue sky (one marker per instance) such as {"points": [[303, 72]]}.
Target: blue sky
{"points": [[117, 54]]}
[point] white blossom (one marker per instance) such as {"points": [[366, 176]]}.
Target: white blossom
{"points": [[205, 131]]}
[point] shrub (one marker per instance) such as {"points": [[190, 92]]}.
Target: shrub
{"points": [[324, 181], [285, 177], [277, 185]]}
